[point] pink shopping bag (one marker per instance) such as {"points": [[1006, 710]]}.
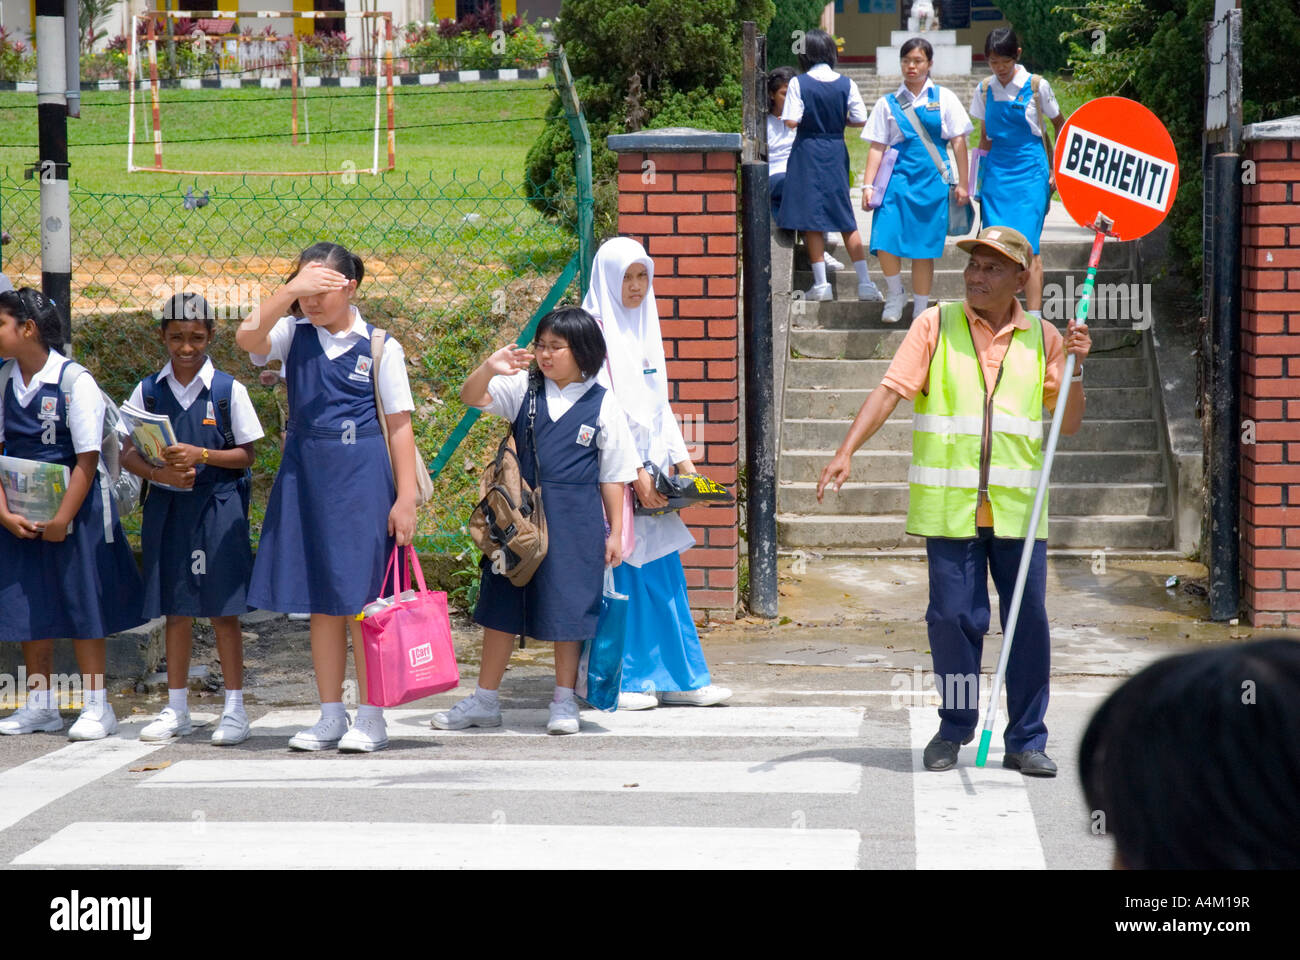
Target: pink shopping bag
{"points": [[407, 639]]}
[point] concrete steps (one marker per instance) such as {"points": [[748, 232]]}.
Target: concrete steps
{"points": [[1104, 403], [1096, 435], [858, 374], [872, 465], [1082, 533], [1110, 480], [885, 499], [881, 342]]}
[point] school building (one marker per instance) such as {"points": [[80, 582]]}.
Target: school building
{"points": [[866, 24], [18, 17]]}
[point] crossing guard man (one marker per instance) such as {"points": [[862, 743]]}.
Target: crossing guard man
{"points": [[979, 373]]}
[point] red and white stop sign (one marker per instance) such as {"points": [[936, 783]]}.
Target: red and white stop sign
{"points": [[1115, 157]]}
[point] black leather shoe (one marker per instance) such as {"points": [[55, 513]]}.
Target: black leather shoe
{"points": [[941, 754], [1032, 763]]}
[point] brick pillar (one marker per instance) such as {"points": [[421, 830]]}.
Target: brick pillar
{"points": [[1270, 373], [677, 197]]}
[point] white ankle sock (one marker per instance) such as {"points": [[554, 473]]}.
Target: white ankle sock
{"points": [[919, 302], [895, 284], [861, 267], [40, 699], [368, 711], [234, 701], [562, 694], [178, 700], [94, 698], [333, 710], [819, 271], [489, 698]]}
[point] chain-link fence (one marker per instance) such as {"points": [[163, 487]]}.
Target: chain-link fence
{"points": [[454, 266]]}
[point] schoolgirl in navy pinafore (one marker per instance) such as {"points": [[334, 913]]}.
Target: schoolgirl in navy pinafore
{"points": [[325, 540], [562, 600], [815, 195], [212, 517], [83, 587]]}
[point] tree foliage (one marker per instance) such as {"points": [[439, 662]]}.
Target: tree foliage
{"points": [[791, 15], [1152, 51], [639, 64], [1040, 28]]}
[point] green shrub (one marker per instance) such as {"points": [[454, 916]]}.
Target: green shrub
{"points": [[1040, 29], [639, 64], [791, 15], [1153, 52]]}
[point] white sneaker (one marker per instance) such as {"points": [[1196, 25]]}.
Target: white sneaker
{"points": [[870, 292], [818, 292], [470, 712], [637, 701], [831, 262], [367, 735], [894, 307], [28, 719], [703, 697], [327, 733], [233, 728], [564, 717], [94, 724], [169, 725]]}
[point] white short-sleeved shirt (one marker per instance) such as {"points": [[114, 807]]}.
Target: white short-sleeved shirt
{"points": [[394, 387], [243, 418], [618, 459], [794, 99], [780, 140], [883, 128], [1042, 103], [85, 418]]}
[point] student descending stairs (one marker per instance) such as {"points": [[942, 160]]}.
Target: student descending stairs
{"points": [[1110, 481]]}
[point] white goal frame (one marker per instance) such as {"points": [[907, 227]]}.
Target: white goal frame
{"points": [[383, 90]]}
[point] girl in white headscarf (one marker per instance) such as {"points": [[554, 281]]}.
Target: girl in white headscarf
{"points": [[663, 654]]}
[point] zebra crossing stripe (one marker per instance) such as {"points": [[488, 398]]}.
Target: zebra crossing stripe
{"points": [[819, 722], [28, 787], [423, 846], [970, 818], [585, 776]]}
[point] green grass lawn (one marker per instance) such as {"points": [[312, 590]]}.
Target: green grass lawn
{"points": [[479, 126], [456, 259]]}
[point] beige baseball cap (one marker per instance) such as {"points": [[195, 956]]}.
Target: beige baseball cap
{"points": [[1008, 242]]}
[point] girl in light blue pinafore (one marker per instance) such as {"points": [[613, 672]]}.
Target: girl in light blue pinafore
{"points": [[335, 511], [912, 219], [1015, 182]]}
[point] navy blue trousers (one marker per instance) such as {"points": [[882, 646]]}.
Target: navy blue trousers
{"points": [[958, 618]]}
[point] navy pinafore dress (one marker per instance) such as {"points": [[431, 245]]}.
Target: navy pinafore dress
{"points": [[197, 558], [83, 588], [815, 194], [325, 539], [562, 600], [1014, 192]]}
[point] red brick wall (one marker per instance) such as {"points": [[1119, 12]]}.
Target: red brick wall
{"points": [[1270, 383], [685, 217]]}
